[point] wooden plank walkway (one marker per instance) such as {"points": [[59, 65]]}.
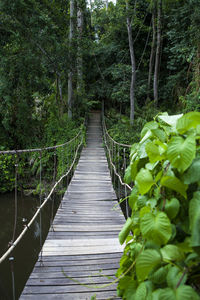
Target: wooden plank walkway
{"points": [[85, 244]]}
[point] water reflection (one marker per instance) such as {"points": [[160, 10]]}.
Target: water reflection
{"points": [[26, 253]]}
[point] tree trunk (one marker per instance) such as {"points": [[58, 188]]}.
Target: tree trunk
{"points": [[158, 52], [79, 50], [133, 66], [152, 55], [70, 73]]}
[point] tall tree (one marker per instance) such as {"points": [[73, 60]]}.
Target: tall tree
{"points": [[71, 67], [158, 52], [153, 44], [79, 49], [133, 63]]}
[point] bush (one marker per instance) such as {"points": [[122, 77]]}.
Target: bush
{"points": [[162, 237]]}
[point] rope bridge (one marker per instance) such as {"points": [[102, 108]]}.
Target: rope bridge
{"points": [[117, 155]]}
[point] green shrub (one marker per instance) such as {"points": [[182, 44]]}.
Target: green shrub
{"points": [[162, 236]]}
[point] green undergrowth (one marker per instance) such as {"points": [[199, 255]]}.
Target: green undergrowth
{"points": [[57, 130], [119, 127], [161, 238]]}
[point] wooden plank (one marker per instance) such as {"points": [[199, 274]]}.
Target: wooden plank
{"points": [[75, 228], [36, 274], [87, 242], [67, 281], [75, 262], [83, 257], [81, 250], [72, 296], [65, 289]]}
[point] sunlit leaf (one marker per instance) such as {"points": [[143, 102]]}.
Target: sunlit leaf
{"points": [[188, 121], [148, 127], [146, 261], [156, 227], [170, 120], [153, 152], [144, 181]]}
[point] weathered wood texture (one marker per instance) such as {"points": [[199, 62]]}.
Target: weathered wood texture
{"points": [[81, 255]]}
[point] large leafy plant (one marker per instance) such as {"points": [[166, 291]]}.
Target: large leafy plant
{"points": [[161, 257]]}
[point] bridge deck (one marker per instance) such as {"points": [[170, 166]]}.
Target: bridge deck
{"points": [[84, 244]]}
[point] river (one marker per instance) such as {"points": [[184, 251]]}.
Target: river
{"points": [[26, 253]]}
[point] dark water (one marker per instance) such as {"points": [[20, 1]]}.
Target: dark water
{"points": [[26, 253]]}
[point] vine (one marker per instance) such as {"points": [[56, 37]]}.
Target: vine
{"points": [[162, 236]]}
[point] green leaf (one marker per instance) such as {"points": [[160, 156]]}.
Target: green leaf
{"points": [[156, 294], [127, 176], [160, 134], [193, 173], [156, 227], [183, 292], [125, 230], [145, 263], [159, 276], [148, 127], [194, 218], [170, 120], [141, 150], [174, 184], [133, 197], [133, 152], [144, 181], [174, 275], [186, 292], [167, 294], [188, 121], [130, 290], [153, 152], [181, 152], [141, 201], [172, 207], [141, 292], [172, 252], [146, 137], [134, 169]]}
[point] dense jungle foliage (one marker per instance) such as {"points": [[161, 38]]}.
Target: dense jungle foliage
{"points": [[133, 59]]}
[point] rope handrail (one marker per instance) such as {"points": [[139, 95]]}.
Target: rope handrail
{"points": [[15, 243], [105, 132], [40, 149], [115, 142], [114, 168]]}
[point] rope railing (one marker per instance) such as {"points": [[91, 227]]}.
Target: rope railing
{"points": [[73, 147], [40, 149], [117, 156], [16, 242]]}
